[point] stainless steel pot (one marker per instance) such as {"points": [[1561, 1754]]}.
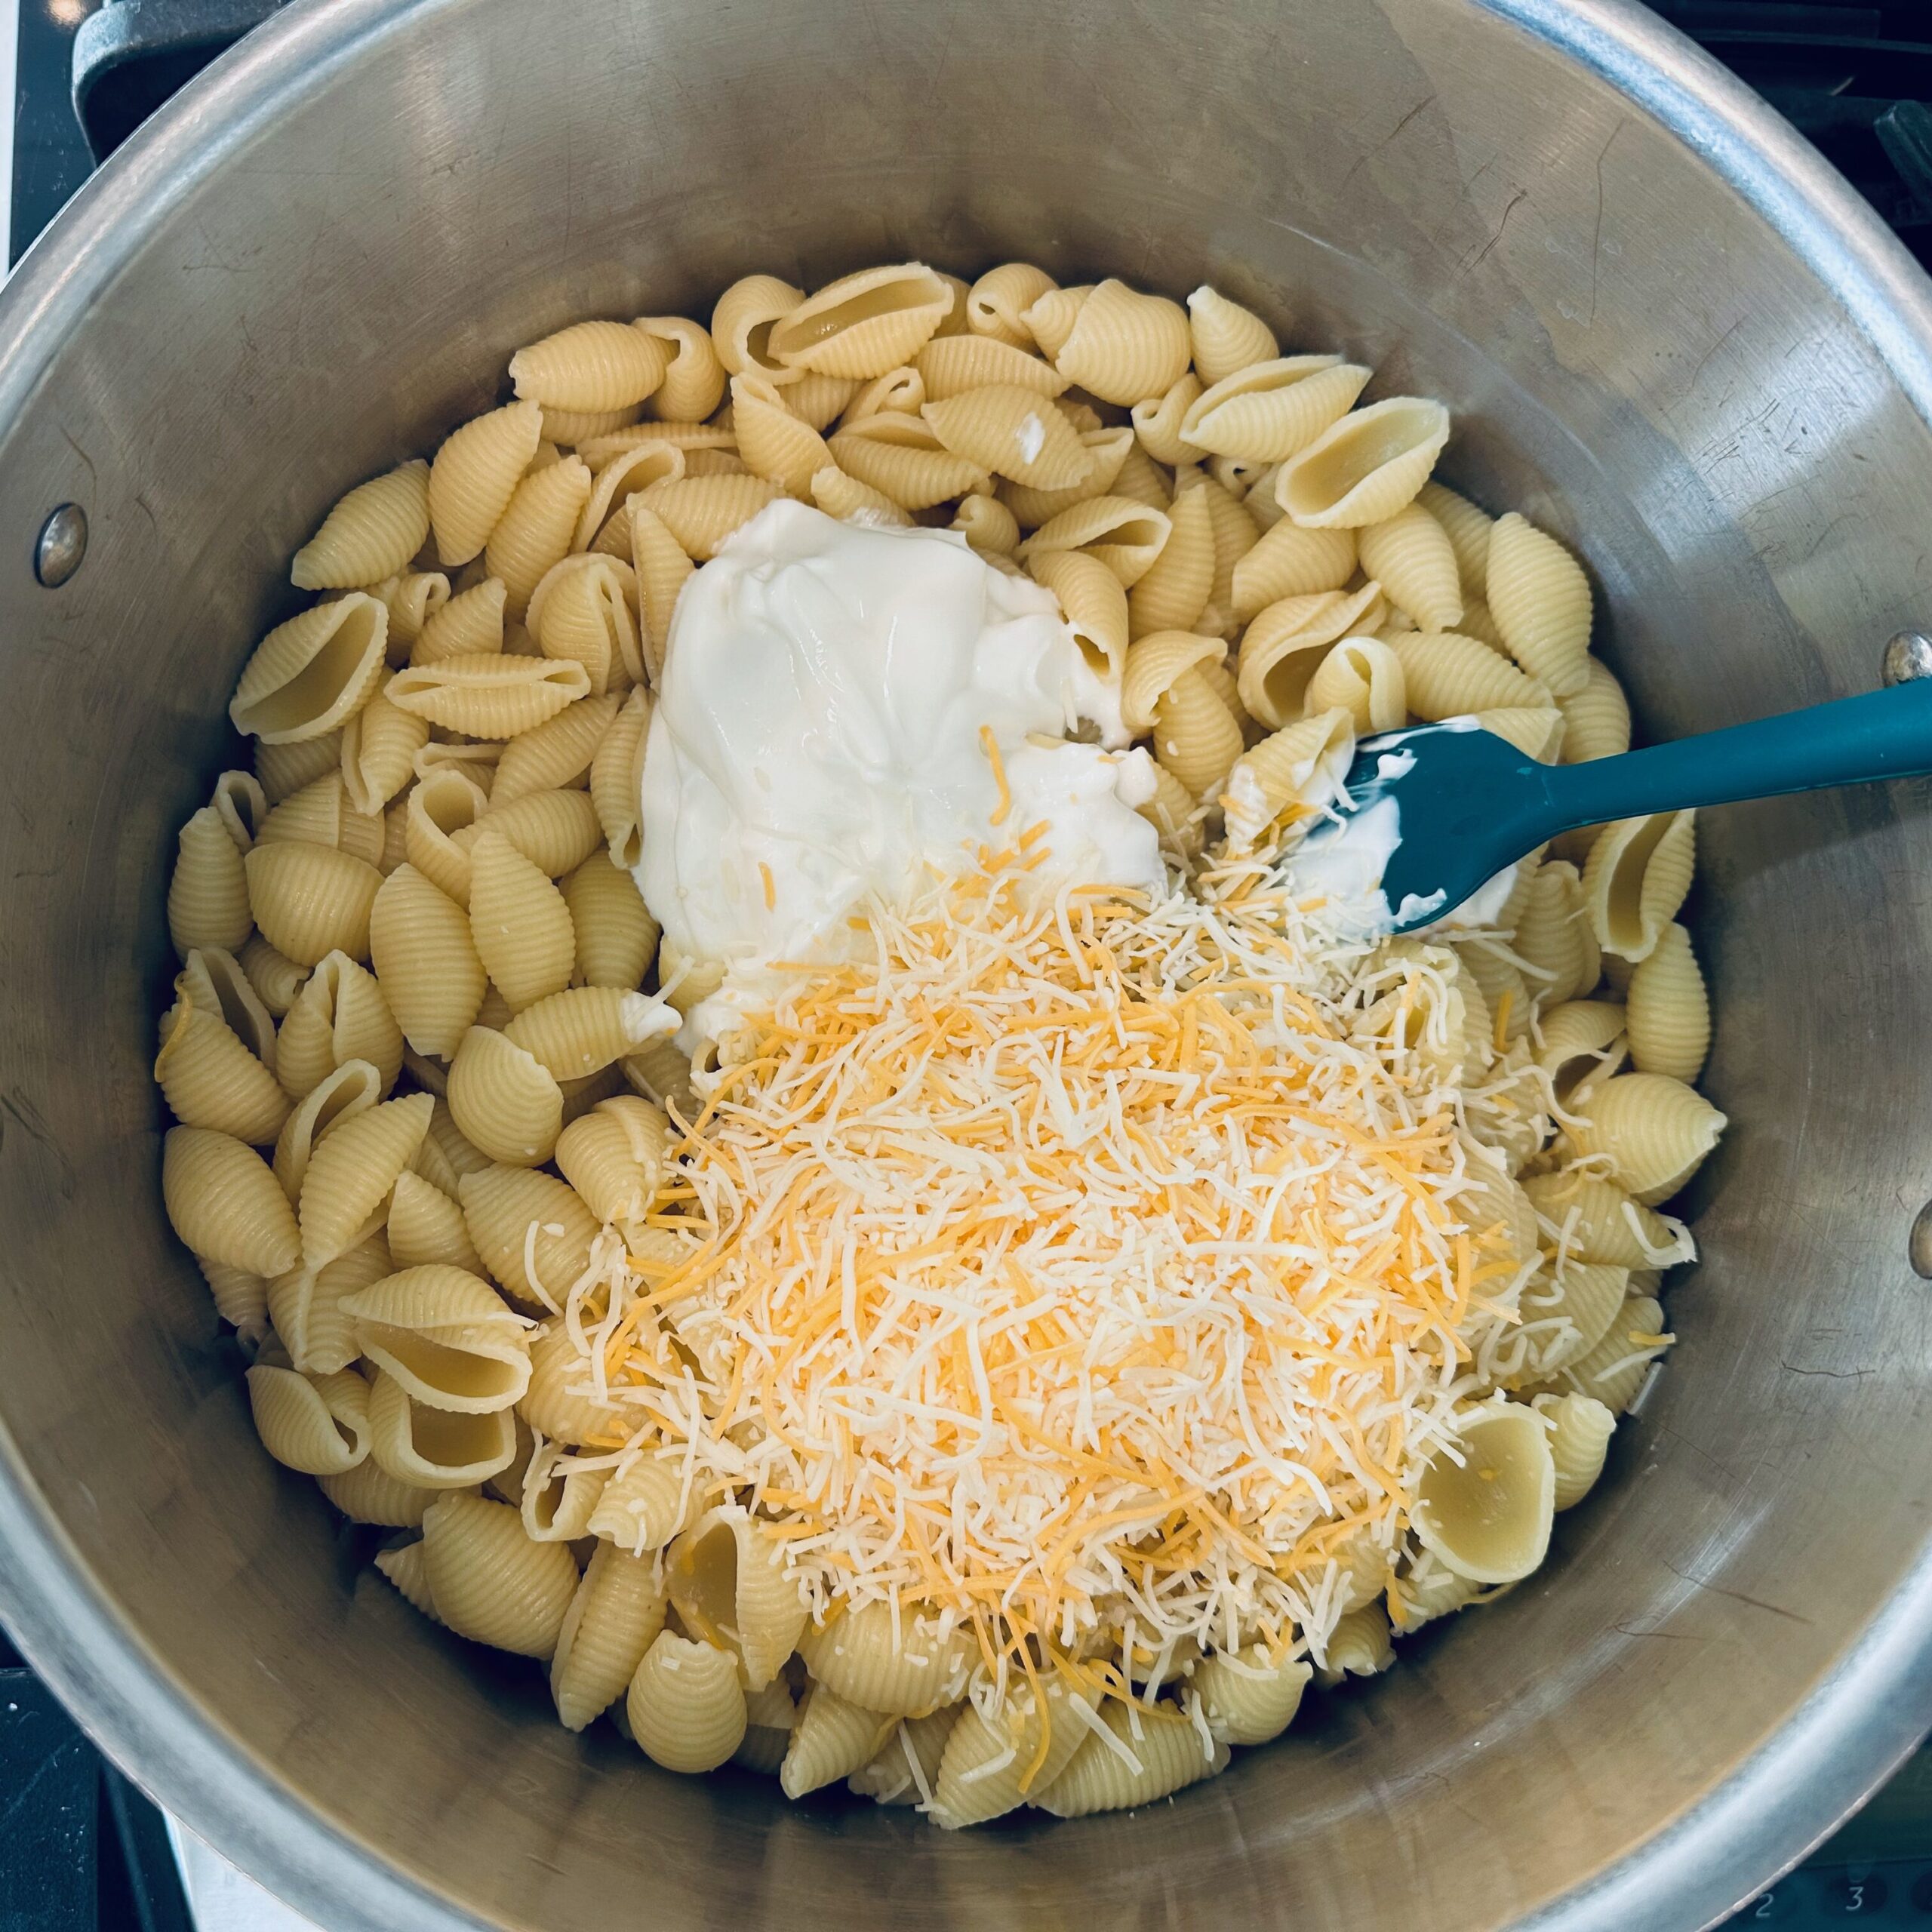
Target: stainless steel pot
{"points": [[1667, 330]]}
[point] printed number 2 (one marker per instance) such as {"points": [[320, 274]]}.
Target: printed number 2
{"points": [[1765, 1906]]}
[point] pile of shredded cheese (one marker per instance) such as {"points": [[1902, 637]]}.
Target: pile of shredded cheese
{"points": [[1080, 1266]]}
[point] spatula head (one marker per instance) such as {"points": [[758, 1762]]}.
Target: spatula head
{"points": [[1466, 804]]}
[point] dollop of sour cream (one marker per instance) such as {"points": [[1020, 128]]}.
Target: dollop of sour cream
{"points": [[833, 697]]}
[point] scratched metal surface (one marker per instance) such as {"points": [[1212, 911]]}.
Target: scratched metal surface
{"points": [[321, 256]]}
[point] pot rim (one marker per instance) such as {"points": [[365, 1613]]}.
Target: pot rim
{"points": [[1859, 1722]]}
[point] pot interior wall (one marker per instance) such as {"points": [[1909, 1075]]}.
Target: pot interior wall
{"points": [[1633, 358]]}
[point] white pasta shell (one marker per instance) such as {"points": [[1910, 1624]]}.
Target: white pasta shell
{"points": [[1157, 421], [1411, 556], [475, 473], [372, 533], [1669, 1010], [503, 1101], [1364, 678], [1287, 776], [518, 922], [774, 443], [350, 1172], [1124, 346], [693, 383], [1540, 599], [1284, 644], [686, 1709], [536, 529], [565, 427], [352, 1088], [225, 1204], [1468, 528], [1597, 719], [614, 1157], [1366, 467], [411, 598], [208, 894], [403, 1566], [1174, 590], [1163, 1754], [1484, 1509], [615, 935], [1290, 561], [848, 500], [1636, 877], [470, 624], [489, 697], [900, 392], [831, 1739], [426, 1227], [1596, 1221], [617, 778], [445, 1335], [1537, 731], [1154, 664], [208, 1073], [1553, 936], [585, 1028], [1580, 1433], [317, 1424], [240, 803], [368, 1493], [555, 755], [700, 512], [645, 1505], [1094, 602], [1613, 1371], [320, 814], [612, 1620], [952, 365], [591, 367], [603, 525], [276, 980], [1448, 675], [902, 456], [1655, 1131], [501, 1205], [379, 747], [1126, 537], [1225, 336], [1564, 1315], [341, 1014], [282, 769], [896, 1664], [741, 323], [1108, 452], [1580, 1038], [1269, 411], [309, 675], [817, 400], [1358, 1646], [727, 1578], [887, 1777], [984, 1771], [1012, 431], [310, 900], [863, 324], [241, 1298], [446, 802], [424, 956], [489, 1581], [438, 1449], [305, 1306], [996, 303], [556, 831], [985, 522]]}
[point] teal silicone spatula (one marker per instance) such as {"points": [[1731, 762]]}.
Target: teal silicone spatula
{"points": [[1468, 804]]}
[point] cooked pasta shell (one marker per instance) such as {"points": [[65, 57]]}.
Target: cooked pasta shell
{"points": [[489, 697], [902, 456], [1537, 731], [411, 599], [1553, 936], [1196, 737], [1655, 1129], [1669, 1011], [1580, 1038], [693, 383], [310, 900], [897, 1665], [318, 1425], [349, 1089], [276, 980], [685, 1707], [832, 1739], [1290, 561], [644, 1506], [429, 1448], [1108, 452], [700, 512], [1597, 719], [285, 768], [848, 500], [535, 531], [741, 323], [996, 303], [579, 1032], [1580, 1428], [207, 895], [1154, 664], [1225, 336], [614, 1618], [566, 428], [224, 1203], [590, 366], [1235, 537], [379, 748], [603, 525], [557, 1495], [1174, 812], [984, 1771], [727, 1580], [443, 805], [470, 624], [555, 831], [1366, 467], [501, 1204], [1127, 537], [372, 533], [1174, 590], [1094, 603], [305, 1306], [241, 1298], [519, 922], [311, 675], [426, 962], [1637, 877], [341, 1014], [614, 1157], [1615, 1369], [1144, 1754], [368, 1493], [209, 1074], [1448, 675], [1288, 775], [1596, 1221], [817, 400], [445, 1335], [661, 1071], [242, 805], [1012, 431], [1468, 528], [1124, 346], [1269, 411], [1358, 1646], [503, 1100], [403, 1567], [561, 1404], [905, 1769], [1248, 1697], [986, 523], [556, 756], [346, 1188], [616, 781], [1141, 480], [954, 365], [691, 437], [1540, 599], [1565, 1313], [1157, 421], [1364, 678], [426, 1227], [475, 473], [1286, 644], [489, 1581], [1483, 1505], [774, 443], [320, 814], [863, 324], [1411, 556]]}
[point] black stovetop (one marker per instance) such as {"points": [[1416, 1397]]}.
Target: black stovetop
{"points": [[81, 1850]]}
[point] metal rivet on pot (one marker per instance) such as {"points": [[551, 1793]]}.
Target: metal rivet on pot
{"points": [[1918, 1246], [1907, 656], [63, 543]]}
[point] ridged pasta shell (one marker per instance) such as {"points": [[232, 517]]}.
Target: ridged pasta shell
{"points": [[1553, 936], [988, 525], [1157, 421], [818, 400], [1154, 663], [1540, 599], [486, 697], [1537, 731], [1225, 336], [590, 366], [341, 1014], [1287, 776], [985, 1764], [617, 779], [284, 768], [1637, 877], [556, 755], [644, 1506], [996, 303], [241, 1298], [1248, 1697], [1284, 644], [900, 392], [209, 1075], [501, 1204], [350, 1172], [612, 1620], [1174, 590], [1484, 1511], [774, 443], [1290, 561], [1364, 678], [685, 1707], [1655, 1131], [727, 1579], [446, 800], [351, 1088], [741, 323], [426, 962], [475, 473], [578, 1031], [320, 814], [1467, 529], [832, 1739], [1564, 1316], [470, 624], [319, 1426], [426, 1228], [614, 1157], [700, 512], [693, 383], [368, 1493], [504, 1101], [1598, 1221], [1163, 1754], [1094, 604], [428, 1448], [1580, 1039], [305, 1306], [1366, 467], [1124, 346], [555, 831], [603, 525], [445, 1335], [1596, 719], [379, 747], [902, 456], [1411, 556], [536, 529], [1580, 1428], [276, 980], [311, 675], [519, 923], [1126, 537], [371, 534], [863, 324], [207, 894], [310, 900], [1448, 675], [848, 500], [1014, 432], [1615, 1369], [489, 1581], [1269, 411], [1669, 1010], [952, 365], [566, 428], [897, 1665], [225, 1204], [1108, 452]]}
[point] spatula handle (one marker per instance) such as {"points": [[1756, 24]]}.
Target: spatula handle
{"points": [[1883, 734]]}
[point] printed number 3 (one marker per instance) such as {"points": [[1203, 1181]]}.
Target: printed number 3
{"points": [[1855, 1894]]}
